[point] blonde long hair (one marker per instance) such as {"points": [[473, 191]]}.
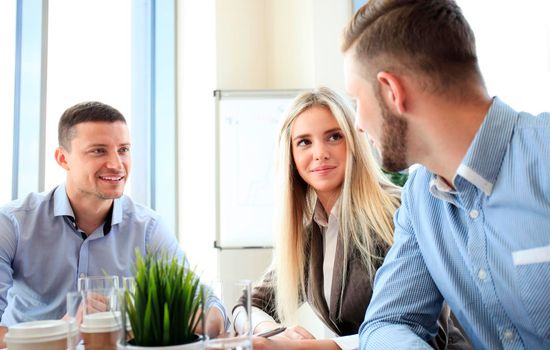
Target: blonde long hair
{"points": [[367, 203]]}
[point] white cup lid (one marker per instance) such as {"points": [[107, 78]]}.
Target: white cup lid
{"points": [[101, 322], [37, 331]]}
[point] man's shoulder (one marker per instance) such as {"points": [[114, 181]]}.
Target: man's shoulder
{"points": [[416, 197], [30, 202], [530, 140], [418, 182], [528, 121], [130, 208]]}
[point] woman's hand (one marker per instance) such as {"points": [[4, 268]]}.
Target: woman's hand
{"points": [[295, 337], [261, 343], [294, 333], [275, 343]]}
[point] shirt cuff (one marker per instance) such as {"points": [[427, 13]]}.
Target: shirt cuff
{"points": [[258, 316], [348, 342]]}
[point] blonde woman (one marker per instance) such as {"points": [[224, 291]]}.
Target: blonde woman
{"points": [[335, 224]]}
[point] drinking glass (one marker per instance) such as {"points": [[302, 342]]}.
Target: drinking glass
{"points": [[234, 338], [128, 285], [98, 282], [75, 313], [101, 322]]}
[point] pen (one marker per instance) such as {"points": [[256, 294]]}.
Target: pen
{"points": [[272, 332]]}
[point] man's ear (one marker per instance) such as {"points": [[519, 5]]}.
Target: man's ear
{"points": [[61, 157], [392, 91]]}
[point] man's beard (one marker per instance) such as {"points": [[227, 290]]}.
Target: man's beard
{"points": [[394, 139]]}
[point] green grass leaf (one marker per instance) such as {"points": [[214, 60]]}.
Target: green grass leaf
{"points": [[164, 307]]}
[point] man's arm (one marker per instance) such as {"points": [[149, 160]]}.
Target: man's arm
{"points": [[406, 302], [8, 245]]}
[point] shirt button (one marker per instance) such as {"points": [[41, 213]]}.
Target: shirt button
{"points": [[474, 214], [82, 275], [508, 334], [482, 274]]}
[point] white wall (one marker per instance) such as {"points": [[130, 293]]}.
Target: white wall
{"points": [[289, 34], [279, 44], [329, 19], [241, 44]]}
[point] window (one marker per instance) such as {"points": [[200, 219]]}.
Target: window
{"points": [[89, 58], [7, 81]]}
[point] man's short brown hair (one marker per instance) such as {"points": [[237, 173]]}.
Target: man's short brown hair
{"points": [[427, 37], [92, 111]]}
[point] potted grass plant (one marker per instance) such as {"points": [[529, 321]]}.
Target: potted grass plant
{"points": [[164, 305]]}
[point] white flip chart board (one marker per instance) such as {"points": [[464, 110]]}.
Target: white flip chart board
{"points": [[246, 132]]}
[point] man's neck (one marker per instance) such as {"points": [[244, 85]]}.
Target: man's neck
{"points": [[448, 134], [90, 212]]}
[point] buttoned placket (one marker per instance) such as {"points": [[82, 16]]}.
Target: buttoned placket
{"points": [[472, 199], [83, 254], [83, 258], [82, 264]]}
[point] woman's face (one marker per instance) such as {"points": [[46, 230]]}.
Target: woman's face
{"points": [[319, 151]]}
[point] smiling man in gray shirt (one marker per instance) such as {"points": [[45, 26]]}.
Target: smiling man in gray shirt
{"points": [[86, 226]]}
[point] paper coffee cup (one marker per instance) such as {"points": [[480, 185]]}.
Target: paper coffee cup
{"points": [[38, 335], [101, 330]]}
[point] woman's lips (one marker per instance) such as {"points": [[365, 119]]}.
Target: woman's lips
{"points": [[323, 169]]}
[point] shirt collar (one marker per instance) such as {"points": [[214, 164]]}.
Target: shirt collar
{"points": [[439, 188], [61, 204], [62, 207], [482, 162], [320, 216]]}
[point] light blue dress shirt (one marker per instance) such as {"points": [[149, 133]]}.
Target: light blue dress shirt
{"points": [[484, 247], [42, 252]]}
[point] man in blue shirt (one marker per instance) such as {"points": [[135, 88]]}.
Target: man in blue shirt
{"points": [[474, 225], [85, 227]]}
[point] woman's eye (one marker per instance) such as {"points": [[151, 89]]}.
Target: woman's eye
{"points": [[336, 137], [303, 142]]}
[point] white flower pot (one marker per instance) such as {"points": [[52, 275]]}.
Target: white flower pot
{"points": [[198, 345]]}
